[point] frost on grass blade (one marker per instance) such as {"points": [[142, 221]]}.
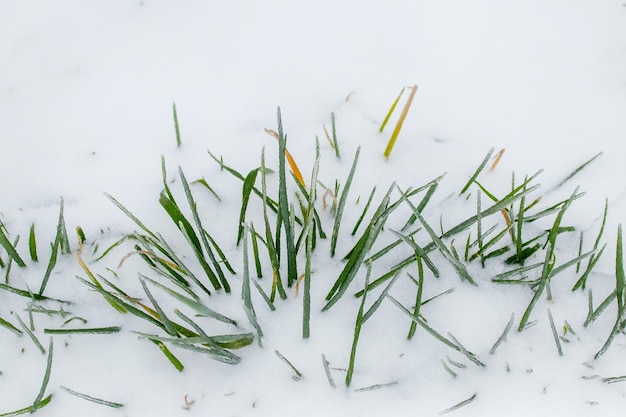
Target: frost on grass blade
{"points": [[342, 204], [92, 399]]}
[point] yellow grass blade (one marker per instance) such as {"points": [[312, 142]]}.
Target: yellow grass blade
{"points": [[391, 110], [497, 159], [292, 163], [396, 131]]}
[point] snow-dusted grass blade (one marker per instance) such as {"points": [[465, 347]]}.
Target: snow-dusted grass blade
{"points": [[577, 170], [32, 244], [93, 330], [329, 375], [283, 205], [265, 297], [391, 110], [360, 251], [592, 315], [582, 281], [203, 233], [620, 293], [432, 187], [169, 326], [195, 305], [46, 376], [131, 216], [396, 130], [548, 263], [418, 296], [9, 247], [298, 375], [555, 334], [459, 405], [477, 172], [364, 212], [370, 311], [92, 399], [357, 329], [30, 409], [7, 325], [458, 266], [376, 386], [277, 283], [176, 127], [246, 295], [435, 334], [504, 334], [342, 203], [309, 231], [30, 334]]}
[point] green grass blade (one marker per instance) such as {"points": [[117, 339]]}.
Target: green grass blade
{"points": [[477, 172], [577, 170], [248, 185], [555, 334], [329, 376], [92, 399], [32, 243], [362, 216], [169, 355], [418, 296], [51, 264], [459, 405], [283, 205], [9, 248], [93, 330], [203, 233], [169, 326], [46, 376], [176, 127], [30, 409], [298, 375], [342, 203], [10, 327], [130, 215], [357, 329], [548, 262], [30, 334], [503, 336], [370, 311], [246, 293], [334, 133]]}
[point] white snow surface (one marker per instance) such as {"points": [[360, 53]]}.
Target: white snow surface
{"points": [[86, 93]]}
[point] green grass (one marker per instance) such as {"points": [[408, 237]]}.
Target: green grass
{"points": [[399, 242]]}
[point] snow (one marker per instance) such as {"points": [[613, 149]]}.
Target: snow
{"points": [[86, 93]]}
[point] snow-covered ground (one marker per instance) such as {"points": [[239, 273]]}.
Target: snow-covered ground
{"points": [[86, 93]]}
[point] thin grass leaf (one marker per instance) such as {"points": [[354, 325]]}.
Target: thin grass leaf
{"points": [[248, 185], [10, 327], [418, 296], [477, 172], [329, 376], [362, 216], [169, 327], [459, 405], [309, 229], [9, 247], [391, 110], [503, 336], [245, 292], [169, 355], [30, 409], [298, 375], [130, 216], [376, 387], [203, 233], [267, 299], [434, 333], [30, 334], [396, 130], [283, 205], [577, 170], [342, 203], [91, 399], [548, 262], [429, 193], [448, 370], [357, 329], [277, 284], [178, 141], [361, 249], [110, 248], [93, 330], [206, 185], [51, 264], [46, 376], [195, 305], [620, 293], [370, 311], [334, 131], [555, 334], [32, 243], [582, 281], [29, 295], [592, 315]]}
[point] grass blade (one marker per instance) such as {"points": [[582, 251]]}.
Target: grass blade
{"points": [[178, 141], [478, 171], [396, 131], [459, 405], [329, 376], [557, 341], [9, 248], [342, 203], [391, 110], [30, 334], [32, 243], [357, 329], [46, 376], [503, 336], [92, 399], [298, 375], [93, 330]]}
